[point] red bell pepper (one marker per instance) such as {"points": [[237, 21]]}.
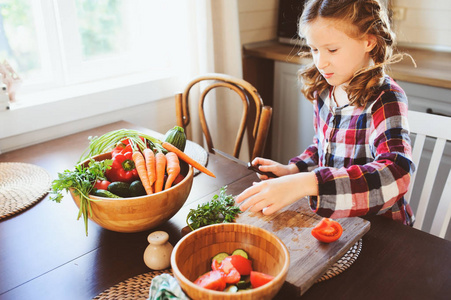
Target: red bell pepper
{"points": [[123, 168]]}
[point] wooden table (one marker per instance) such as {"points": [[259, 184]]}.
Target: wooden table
{"points": [[44, 253]]}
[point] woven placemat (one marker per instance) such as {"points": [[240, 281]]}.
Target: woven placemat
{"points": [[343, 263], [138, 287], [196, 152], [21, 186], [135, 288]]}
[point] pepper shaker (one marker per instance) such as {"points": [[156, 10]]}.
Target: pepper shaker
{"points": [[157, 255]]}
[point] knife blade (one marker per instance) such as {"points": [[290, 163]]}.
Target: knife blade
{"points": [[248, 165]]}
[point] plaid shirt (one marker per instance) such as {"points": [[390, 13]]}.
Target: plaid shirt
{"points": [[362, 156]]}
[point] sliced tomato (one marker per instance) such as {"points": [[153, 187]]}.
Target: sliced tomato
{"points": [[327, 230], [258, 279], [241, 264], [212, 280], [102, 184], [228, 271]]}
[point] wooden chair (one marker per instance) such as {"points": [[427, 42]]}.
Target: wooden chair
{"points": [[437, 127], [255, 116]]}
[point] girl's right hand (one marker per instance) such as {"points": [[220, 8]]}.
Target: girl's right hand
{"points": [[268, 165]]}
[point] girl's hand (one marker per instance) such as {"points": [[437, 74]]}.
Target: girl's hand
{"points": [[268, 165], [272, 195]]}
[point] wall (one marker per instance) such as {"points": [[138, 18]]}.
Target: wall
{"points": [[258, 20], [426, 23]]}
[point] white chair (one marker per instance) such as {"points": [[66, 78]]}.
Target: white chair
{"points": [[437, 127]]}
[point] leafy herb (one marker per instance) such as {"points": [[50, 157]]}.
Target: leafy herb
{"points": [[81, 180], [221, 209]]}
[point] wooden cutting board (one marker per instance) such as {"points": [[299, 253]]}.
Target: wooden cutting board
{"points": [[309, 258]]}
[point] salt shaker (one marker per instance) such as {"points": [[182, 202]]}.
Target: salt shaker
{"points": [[157, 255]]}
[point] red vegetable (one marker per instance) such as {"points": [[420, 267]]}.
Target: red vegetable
{"points": [[327, 230], [241, 264], [212, 280], [228, 271], [258, 279], [122, 169], [102, 184]]}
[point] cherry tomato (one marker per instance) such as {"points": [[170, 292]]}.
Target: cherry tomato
{"points": [[327, 230], [212, 280], [228, 271], [241, 264], [258, 279], [102, 184]]}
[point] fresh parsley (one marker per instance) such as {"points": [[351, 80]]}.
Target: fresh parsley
{"points": [[81, 180], [221, 209]]}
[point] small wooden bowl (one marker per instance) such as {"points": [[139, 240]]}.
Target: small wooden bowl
{"points": [[138, 213], [192, 256]]}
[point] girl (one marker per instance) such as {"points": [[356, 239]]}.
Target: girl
{"points": [[361, 148]]}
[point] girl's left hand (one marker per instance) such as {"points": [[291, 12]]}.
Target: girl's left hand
{"points": [[272, 195]]}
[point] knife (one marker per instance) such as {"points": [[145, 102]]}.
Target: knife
{"points": [[248, 165]]}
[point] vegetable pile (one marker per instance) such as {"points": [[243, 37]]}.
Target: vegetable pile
{"points": [[140, 165], [232, 273], [221, 209]]}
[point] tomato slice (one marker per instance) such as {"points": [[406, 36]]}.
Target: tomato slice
{"points": [[327, 230], [212, 280], [241, 264], [258, 279]]}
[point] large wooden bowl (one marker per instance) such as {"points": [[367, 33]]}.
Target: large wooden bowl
{"points": [[139, 213], [192, 256]]}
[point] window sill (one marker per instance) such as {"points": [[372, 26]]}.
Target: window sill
{"points": [[85, 106]]}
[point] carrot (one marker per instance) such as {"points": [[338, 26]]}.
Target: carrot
{"points": [[172, 168], [160, 162], [140, 165], [183, 156], [149, 157]]}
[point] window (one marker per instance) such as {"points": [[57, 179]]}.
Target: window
{"points": [[59, 43]]}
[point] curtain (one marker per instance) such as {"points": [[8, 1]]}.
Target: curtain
{"points": [[214, 47]]}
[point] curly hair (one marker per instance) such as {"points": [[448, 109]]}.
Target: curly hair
{"points": [[367, 17]]}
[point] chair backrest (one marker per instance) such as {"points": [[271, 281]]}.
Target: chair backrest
{"points": [[255, 115], [425, 127]]}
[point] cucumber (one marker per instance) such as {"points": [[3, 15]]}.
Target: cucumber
{"points": [[105, 194], [137, 189], [243, 284], [241, 252], [220, 256], [120, 188], [177, 137], [231, 289]]}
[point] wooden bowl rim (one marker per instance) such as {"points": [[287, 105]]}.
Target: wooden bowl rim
{"points": [[283, 272]]}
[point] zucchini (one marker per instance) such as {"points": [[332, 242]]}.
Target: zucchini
{"points": [[137, 189], [241, 252], [177, 137], [220, 256], [120, 188], [243, 284], [105, 194]]}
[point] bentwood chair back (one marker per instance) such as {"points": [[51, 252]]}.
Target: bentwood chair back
{"points": [[430, 129], [255, 116]]}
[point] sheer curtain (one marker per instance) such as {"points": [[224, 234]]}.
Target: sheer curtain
{"points": [[214, 46]]}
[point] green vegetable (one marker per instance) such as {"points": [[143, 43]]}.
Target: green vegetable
{"points": [[220, 256], [241, 252], [221, 209], [81, 180], [105, 194], [120, 188], [109, 141], [137, 189], [177, 137]]}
